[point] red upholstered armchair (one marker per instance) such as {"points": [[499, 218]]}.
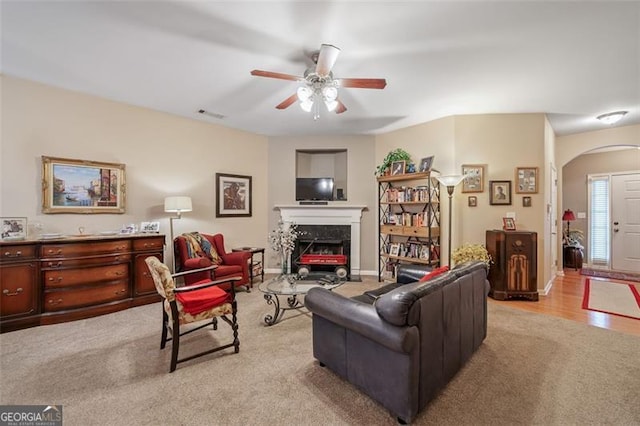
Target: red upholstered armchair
{"points": [[234, 264]]}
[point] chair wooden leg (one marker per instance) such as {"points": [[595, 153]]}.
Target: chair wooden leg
{"points": [[175, 346], [234, 326], [165, 319]]}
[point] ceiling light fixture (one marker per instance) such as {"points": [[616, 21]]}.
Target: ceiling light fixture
{"points": [[612, 117], [317, 90]]}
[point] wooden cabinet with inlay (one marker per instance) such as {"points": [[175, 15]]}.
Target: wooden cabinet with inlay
{"points": [[514, 268], [52, 281]]}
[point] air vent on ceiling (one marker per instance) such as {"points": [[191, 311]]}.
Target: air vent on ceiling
{"points": [[211, 114]]}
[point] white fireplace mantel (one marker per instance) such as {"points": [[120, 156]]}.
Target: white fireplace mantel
{"points": [[332, 214]]}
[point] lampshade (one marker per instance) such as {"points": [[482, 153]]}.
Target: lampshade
{"points": [[177, 204], [612, 117], [568, 215], [450, 180]]}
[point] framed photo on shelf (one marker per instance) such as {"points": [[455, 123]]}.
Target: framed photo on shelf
{"points": [[472, 201], [473, 177], [394, 250], [526, 201], [149, 227], [424, 252], [526, 180], [13, 228], [508, 224], [426, 163], [80, 186], [397, 167], [233, 198], [500, 192]]}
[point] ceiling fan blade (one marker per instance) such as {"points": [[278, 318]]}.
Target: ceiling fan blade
{"points": [[362, 83], [271, 74], [287, 102], [340, 108], [326, 59]]}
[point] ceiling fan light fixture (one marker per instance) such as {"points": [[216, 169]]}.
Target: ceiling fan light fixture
{"points": [[330, 93], [612, 117], [331, 105], [304, 93], [306, 105]]}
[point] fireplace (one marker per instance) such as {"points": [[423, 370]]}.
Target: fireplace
{"points": [[340, 227], [322, 249]]}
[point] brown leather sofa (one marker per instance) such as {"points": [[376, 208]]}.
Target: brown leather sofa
{"points": [[233, 264], [402, 346]]}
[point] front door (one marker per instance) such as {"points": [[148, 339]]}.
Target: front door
{"points": [[625, 222]]}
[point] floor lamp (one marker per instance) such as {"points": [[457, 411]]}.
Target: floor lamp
{"points": [[450, 182], [177, 205]]}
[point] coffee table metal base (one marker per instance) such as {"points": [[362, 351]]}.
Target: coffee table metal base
{"points": [[272, 299]]}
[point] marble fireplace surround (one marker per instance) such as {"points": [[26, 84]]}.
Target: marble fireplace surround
{"points": [[329, 215]]}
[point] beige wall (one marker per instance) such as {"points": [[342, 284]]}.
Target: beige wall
{"points": [[574, 180], [361, 188], [164, 155]]}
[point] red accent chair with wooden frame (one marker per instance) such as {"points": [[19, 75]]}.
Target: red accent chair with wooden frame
{"points": [[232, 264], [190, 304]]}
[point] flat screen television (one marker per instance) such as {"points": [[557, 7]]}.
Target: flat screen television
{"points": [[311, 189]]}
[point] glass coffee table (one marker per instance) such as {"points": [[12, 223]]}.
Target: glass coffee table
{"points": [[294, 289]]}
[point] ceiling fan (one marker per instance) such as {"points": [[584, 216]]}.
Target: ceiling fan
{"points": [[319, 85]]}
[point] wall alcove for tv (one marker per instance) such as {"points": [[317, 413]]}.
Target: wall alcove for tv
{"points": [[324, 163]]}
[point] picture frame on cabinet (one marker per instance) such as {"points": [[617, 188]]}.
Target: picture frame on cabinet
{"points": [[508, 224], [473, 178], [526, 180], [500, 192], [472, 201], [150, 227], [82, 186], [13, 228], [397, 167]]}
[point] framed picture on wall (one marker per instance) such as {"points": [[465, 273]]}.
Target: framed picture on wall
{"points": [[473, 177], [81, 186], [526, 180], [500, 192], [233, 198], [472, 201]]}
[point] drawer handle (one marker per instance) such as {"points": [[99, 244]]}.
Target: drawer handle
{"points": [[51, 251], [55, 265], [57, 302], [16, 254], [119, 273], [121, 291], [15, 293], [120, 248], [59, 279]]}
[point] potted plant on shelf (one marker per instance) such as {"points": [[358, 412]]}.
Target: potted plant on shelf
{"points": [[397, 154]]}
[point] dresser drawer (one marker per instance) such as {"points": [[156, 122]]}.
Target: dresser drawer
{"points": [[80, 276], [85, 296], [148, 244], [17, 252], [19, 289], [85, 249], [96, 260], [391, 229], [416, 231]]}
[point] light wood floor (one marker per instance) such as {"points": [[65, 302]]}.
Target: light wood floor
{"points": [[565, 301]]}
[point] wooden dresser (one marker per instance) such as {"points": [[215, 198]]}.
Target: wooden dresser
{"points": [[52, 281]]}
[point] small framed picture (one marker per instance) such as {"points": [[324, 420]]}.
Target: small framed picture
{"points": [[526, 180], [150, 227], [394, 250], [397, 167], [473, 201], [473, 177], [508, 224], [424, 251], [500, 192], [426, 163], [14, 228], [526, 201], [233, 197]]}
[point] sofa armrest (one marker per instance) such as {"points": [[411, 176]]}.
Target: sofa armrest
{"points": [[197, 263], [361, 318], [408, 273]]}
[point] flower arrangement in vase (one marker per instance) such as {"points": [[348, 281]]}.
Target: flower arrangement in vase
{"points": [[467, 252], [283, 240]]}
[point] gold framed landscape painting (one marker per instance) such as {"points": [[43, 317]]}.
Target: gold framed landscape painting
{"points": [[81, 186], [473, 177]]}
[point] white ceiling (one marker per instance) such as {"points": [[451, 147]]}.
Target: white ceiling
{"points": [[572, 60]]}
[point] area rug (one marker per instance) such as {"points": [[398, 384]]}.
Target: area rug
{"points": [[614, 298], [614, 275]]}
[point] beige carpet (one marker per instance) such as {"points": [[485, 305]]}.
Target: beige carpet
{"points": [[611, 297], [532, 369]]}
